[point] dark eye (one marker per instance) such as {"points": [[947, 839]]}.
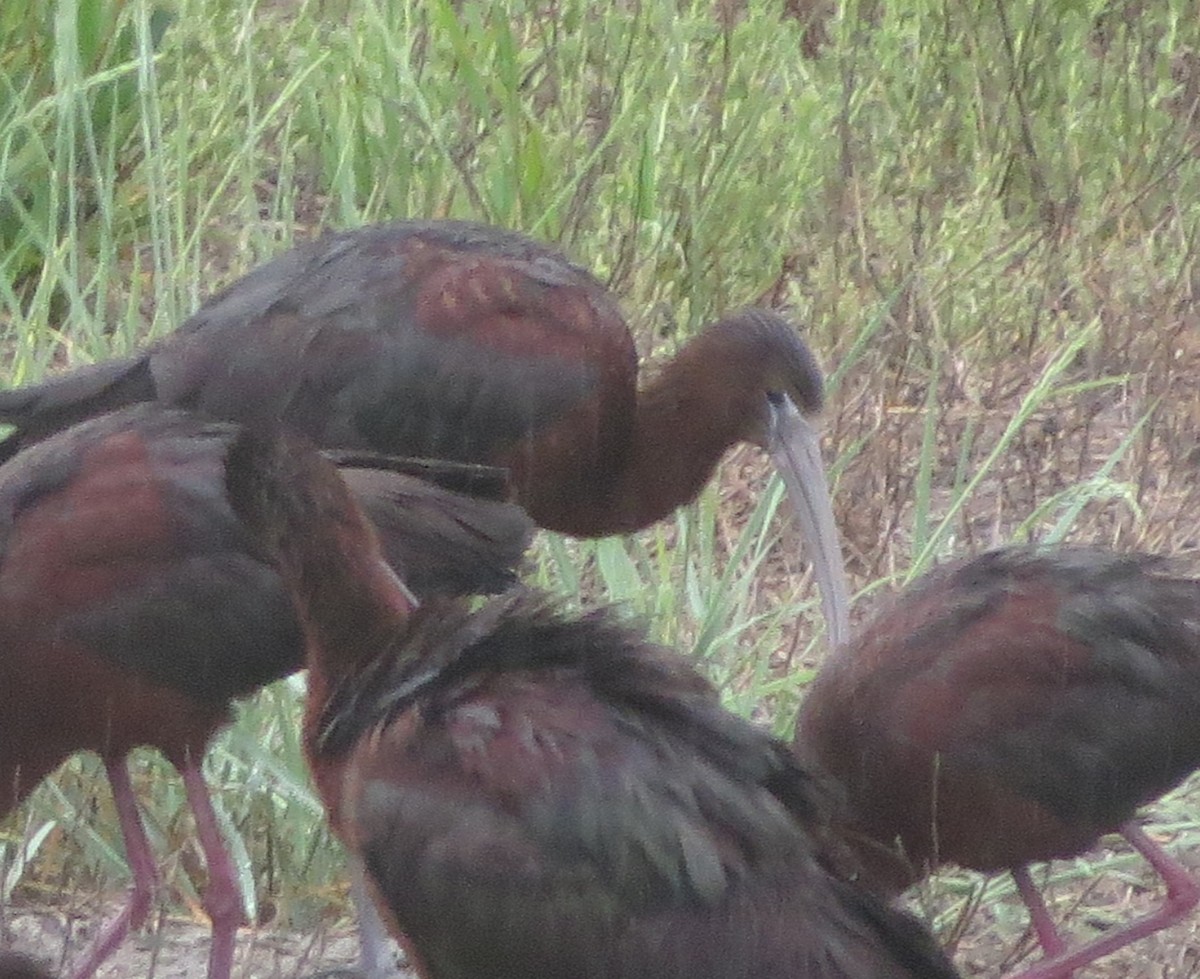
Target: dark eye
{"points": [[776, 398]]}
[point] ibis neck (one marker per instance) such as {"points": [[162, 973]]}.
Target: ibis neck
{"points": [[683, 425], [352, 609], [350, 604]]}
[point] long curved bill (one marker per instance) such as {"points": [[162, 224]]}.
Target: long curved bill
{"points": [[794, 447]]}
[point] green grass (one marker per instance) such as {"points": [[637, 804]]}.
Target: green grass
{"points": [[984, 215]]}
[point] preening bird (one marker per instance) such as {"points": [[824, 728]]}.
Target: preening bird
{"points": [[535, 793], [466, 342]]}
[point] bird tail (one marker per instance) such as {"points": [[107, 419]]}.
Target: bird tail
{"points": [[442, 541], [477, 480], [42, 409], [439, 541]]}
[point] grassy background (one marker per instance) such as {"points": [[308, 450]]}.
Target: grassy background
{"points": [[984, 216]]}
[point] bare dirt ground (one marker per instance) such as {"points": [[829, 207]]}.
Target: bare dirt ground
{"points": [[176, 947], [994, 940], [992, 944]]}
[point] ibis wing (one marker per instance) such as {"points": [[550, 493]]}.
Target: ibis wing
{"points": [[118, 539], [557, 798], [447, 341], [441, 542], [1070, 680], [41, 409], [1080, 689]]}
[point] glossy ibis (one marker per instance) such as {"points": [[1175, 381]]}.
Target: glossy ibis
{"points": [[134, 607], [539, 795], [461, 341], [1013, 708]]}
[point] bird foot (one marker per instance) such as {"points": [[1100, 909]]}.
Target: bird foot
{"points": [[137, 907], [1183, 894], [223, 898], [1039, 916], [141, 865]]}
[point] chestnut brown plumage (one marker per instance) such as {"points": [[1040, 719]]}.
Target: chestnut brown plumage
{"points": [[1012, 708], [466, 342], [134, 607], [540, 794]]}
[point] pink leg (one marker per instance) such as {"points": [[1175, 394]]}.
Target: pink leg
{"points": [[223, 897], [1043, 926], [141, 864], [1183, 894]]}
